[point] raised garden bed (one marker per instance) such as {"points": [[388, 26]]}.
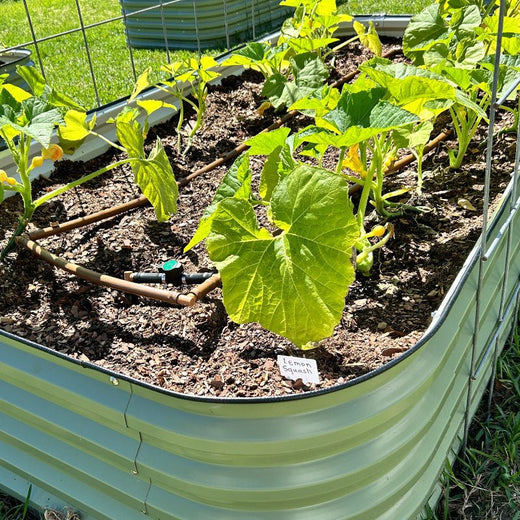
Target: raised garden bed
{"points": [[9, 60], [199, 25], [187, 413]]}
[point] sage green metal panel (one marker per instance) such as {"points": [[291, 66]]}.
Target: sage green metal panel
{"points": [[63, 382], [204, 23], [371, 449], [98, 486], [62, 427]]}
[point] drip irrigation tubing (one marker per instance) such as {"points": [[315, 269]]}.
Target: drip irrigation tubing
{"points": [[172, 297]]}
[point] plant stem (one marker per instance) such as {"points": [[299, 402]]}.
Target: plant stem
{"points": [[465, 123], [342, 152], [80, 181], [419, 158], [340, 46], [20, 228], [108, 141], [378, 153], [178, 129]]}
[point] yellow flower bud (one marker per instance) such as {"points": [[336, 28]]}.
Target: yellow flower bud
{"points": [[11, 181], [389, 162], [378, 231], [36, 161], [263, 107], [3, 176], [54, 152]]}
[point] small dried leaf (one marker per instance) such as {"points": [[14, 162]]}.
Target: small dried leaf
{"points": [[466, 204], [217, 383], [263, 107]]}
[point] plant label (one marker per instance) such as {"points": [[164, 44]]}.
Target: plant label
{"points": [[299, 368]]}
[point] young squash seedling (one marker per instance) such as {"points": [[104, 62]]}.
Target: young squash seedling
{"points": [[188, 84], [304, 256], [312, 26], [26, 117], [288, 75]]}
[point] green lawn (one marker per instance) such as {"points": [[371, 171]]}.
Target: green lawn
{"points": [[65, 60], [381, 7]]}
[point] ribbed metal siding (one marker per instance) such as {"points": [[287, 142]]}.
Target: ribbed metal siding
{"points": [[369, 450], [201, 24]]}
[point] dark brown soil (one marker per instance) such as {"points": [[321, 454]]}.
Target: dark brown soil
{"points": [[199, 350]]}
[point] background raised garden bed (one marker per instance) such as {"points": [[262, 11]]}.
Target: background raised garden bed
{"points": [[204, 24]]}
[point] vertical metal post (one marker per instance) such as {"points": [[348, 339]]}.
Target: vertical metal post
{"points": [[485, 211], [33, 34], [226, 27], [253, 18], [196, 26], [87, 50], [165, 34], [510, 234], [130, 52]]}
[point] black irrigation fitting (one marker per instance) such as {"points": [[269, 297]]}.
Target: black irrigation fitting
{"points": [[171, 272]]}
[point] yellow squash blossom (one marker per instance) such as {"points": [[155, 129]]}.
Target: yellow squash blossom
{"points": [[36, 161], [353, 161], [54, 152]]}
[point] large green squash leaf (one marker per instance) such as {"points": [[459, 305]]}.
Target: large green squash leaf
{"points": [[355, 109], [294, 283], [357, 117], [36, 121], [155, 178], [424, 29], [510, 35]]}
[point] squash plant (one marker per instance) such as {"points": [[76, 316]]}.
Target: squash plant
{"points": [[303, 260], [455, 41], [188, 83], [308, 254], [35, 116], [295, 67]]}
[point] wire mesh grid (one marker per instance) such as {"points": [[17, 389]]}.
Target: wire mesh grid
{"points": [[488, 249], [148, 32]]}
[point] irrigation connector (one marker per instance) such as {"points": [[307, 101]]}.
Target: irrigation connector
{"points": [[171, 272]]}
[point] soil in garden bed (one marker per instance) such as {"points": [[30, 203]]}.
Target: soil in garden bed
{"points": [[199, 350]]}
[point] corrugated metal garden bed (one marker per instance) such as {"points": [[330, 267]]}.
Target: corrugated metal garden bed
{"points": [[115, 444]]}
